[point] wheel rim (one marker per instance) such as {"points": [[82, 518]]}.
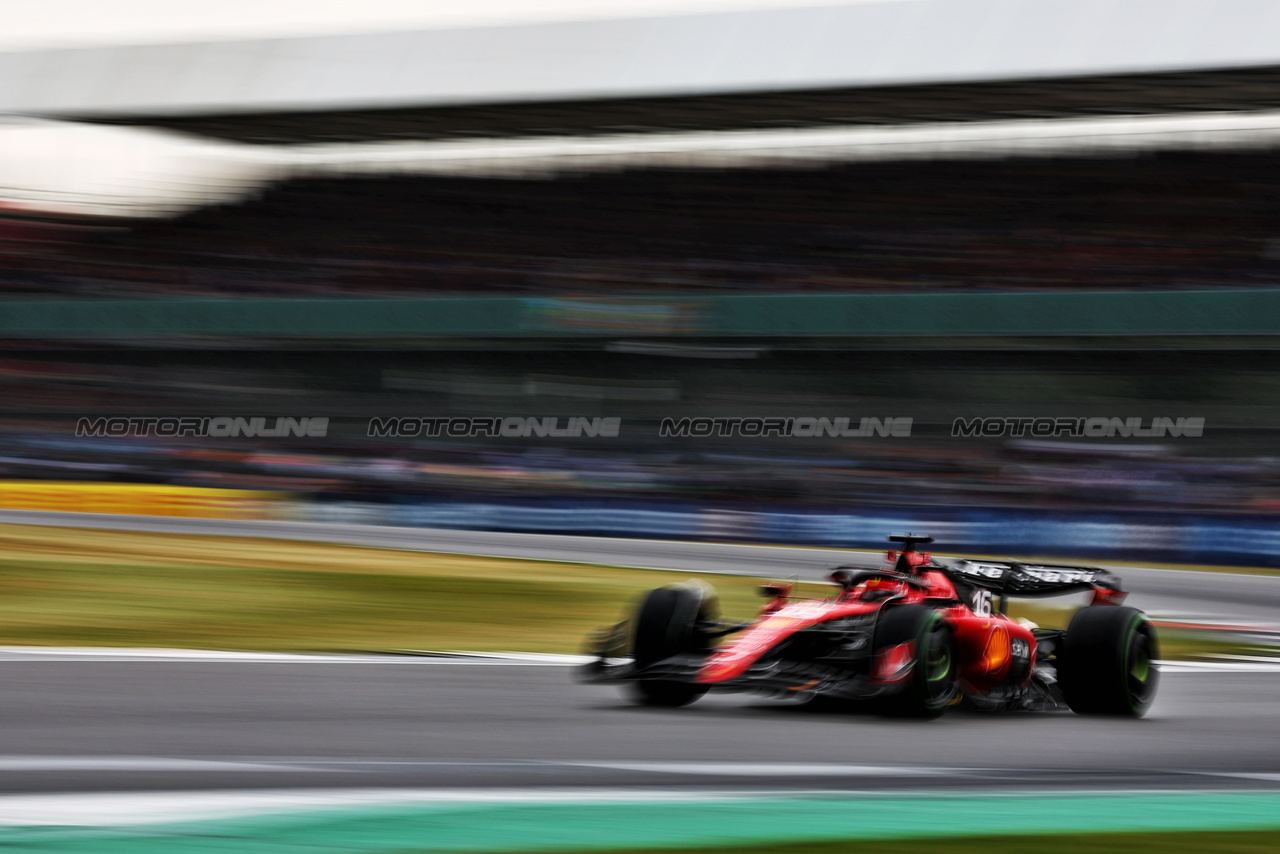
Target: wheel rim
{"points": [[1140, 673], [939, 664], [1140, 667]]}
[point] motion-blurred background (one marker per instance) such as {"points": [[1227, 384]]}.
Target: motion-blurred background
{"points": [[924, 209]]}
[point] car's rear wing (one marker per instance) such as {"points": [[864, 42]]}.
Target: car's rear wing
{"points": [[1014, 578]]}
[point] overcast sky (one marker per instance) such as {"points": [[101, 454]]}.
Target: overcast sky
{"points": [[29, 24]]}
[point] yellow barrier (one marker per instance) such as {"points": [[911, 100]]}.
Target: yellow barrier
{"points": [[141, 499]]}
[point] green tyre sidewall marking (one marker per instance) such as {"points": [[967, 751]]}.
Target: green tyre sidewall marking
{"points": [[929, 704], [930, 627]]}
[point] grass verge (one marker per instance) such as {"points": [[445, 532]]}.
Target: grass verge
{"points": [[1194, 842], [79, 587], [84, 587]]}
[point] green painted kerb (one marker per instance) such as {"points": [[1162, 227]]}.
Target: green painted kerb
{"points": [[565, 826], [1128, 313]]}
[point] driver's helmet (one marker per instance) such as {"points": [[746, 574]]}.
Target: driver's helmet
{"points": [[910, 563]]}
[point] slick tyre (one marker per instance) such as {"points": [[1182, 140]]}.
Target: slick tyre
{"points": [[1106, 665], [666, 624], [931, 686]]}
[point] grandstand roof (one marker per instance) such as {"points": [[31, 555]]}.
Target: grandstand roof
{"points": [[1175, 92], [879, 43], [80, 169]]}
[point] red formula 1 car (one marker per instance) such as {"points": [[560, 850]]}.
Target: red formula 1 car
{"points": [[912, 638]]}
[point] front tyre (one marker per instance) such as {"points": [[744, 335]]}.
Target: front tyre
{"points": [[1106, 665], [666, 625], [931, 684]]}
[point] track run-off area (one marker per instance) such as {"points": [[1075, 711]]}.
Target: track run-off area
{"points": [[151, 750]]}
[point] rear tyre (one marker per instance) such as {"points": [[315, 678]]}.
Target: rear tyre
{"points": [[666, 625], [1106, 665], [931, 686]]}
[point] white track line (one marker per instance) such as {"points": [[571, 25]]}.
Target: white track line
{"points": [[137, 763], [1259, 664], [705, 769], [114, 809], [1271, 666], [213, 656], [773, 769]]}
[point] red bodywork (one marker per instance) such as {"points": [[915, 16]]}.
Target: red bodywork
{"points": [[988, 646]]}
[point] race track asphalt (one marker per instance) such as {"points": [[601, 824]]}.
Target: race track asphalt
{"points": [[69, 724]]}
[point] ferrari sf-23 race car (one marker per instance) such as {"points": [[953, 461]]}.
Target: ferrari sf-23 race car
{"points": [[913, 638]]}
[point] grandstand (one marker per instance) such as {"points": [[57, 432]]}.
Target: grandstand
{"points": [[1174, 220], [1073, 147], [742, 211]]}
